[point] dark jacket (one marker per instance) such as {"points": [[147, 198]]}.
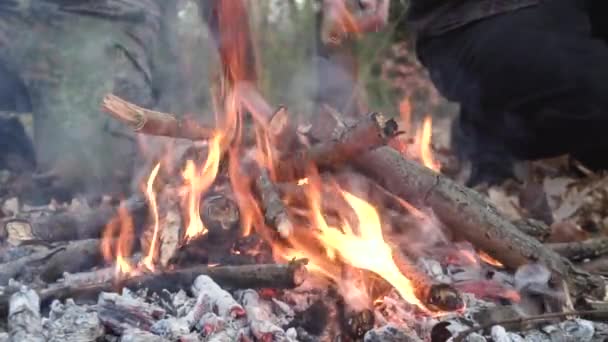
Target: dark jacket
{"points": [[434, 17]]}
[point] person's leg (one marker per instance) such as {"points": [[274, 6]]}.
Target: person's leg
{"points": [[530, 81]]}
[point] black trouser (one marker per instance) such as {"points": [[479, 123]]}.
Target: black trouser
{"points": [[532, 83]]}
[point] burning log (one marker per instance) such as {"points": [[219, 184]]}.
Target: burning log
{"points": [[275, 211], [469, 216], [221, 217], [364, 135], [71, 225], [151, 122], [24, 323], [580, 250], [435, 296], [259, 318], [247, 276]]}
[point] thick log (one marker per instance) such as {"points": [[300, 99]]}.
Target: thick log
{"points": [[147, 121], [51, 264], [364, 135], [580, 250], [24, 323], [241, 277], [469, 216], [79, 225], [275, 211]]}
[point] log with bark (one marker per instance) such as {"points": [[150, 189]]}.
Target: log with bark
{"points": [[363, 135], [275, 212], [469, 216], [50, 264], [151, 122], [246, 276], [581, 250]]}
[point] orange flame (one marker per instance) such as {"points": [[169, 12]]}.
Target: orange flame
{"points": [[198, 183], [123, 225], [405, 111], [485, 257], [149, 259], [361, 246], [425, 145]]}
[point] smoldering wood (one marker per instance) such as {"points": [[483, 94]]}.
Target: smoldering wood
{"points": [[280, 276], [369, 132], [221, 216], [469, 216], [24, 323], [147, 121], [275, 212], [581, 250], [52, 263], [259, 318], [217, 297], [434, 295], [79, 225], [121, 313]]}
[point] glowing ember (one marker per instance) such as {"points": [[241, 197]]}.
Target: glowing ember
{"points": [[149, 259], [425, 145], [302, 181], [485, 257], [198, 183]]}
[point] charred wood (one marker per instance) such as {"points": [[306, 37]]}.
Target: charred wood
{"points": [[434, 295], [247, 276], [151, 122], [536, 229], [275, 212], [371, 131], [52, 263], [216, 297], [580, 250], [70, 225], [259, 318], [121, 313], [71, 322], [282, 133]]}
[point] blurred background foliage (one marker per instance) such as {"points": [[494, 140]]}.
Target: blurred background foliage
{"points": [[286, 39]]}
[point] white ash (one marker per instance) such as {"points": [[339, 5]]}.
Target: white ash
{"points": [[434, 269], [24, 320], [136, 335], [171, 328], [71, 322], [260, 317], [217, 297], [283, 312], [499, 334], [390, 333], [4, 337], [475, 337], [210, 324], [182, 304], [572, 330]]}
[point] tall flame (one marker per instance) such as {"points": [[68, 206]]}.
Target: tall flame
{"points": [[123, 225], [149, 259], [425, 145], [198, 183]]}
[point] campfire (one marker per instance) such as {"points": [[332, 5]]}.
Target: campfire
{"points": [[275, 229]]}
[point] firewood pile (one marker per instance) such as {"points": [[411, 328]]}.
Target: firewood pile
{"points": [[279, 230]]}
